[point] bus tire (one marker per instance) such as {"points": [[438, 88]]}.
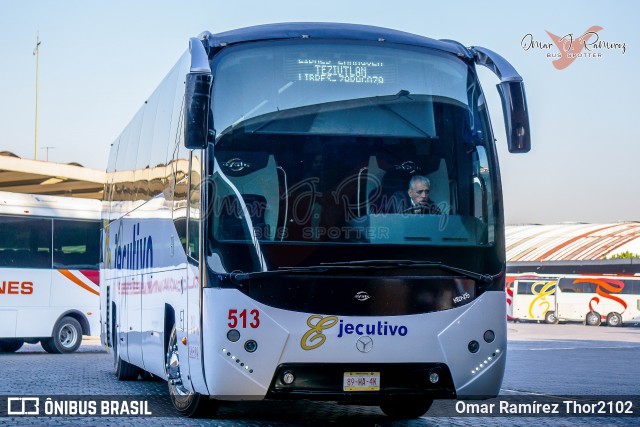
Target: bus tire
{"points": [[187, 403], [67, 335], [400, 409], [550, 317], [124, 371], [45, 344], [593, 318], [614, 319], [10, 345]]}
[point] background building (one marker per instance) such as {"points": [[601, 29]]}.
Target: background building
{"points": [[573, 248]]}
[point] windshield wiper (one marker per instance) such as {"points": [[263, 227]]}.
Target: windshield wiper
{"points": [[486, 278], [238, 277]]}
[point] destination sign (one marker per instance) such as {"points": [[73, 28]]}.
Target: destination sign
{"points": [[343, 70]]}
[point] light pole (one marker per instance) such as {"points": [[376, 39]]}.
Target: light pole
{"points": [[48, 147], [36, 52]]}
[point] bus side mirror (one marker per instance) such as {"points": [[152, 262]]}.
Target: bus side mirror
{"points": [[514, 102], [197, 110], [516, 116], [197, 98]]}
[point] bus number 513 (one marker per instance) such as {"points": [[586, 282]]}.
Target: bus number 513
{"points": [[234, 316]]}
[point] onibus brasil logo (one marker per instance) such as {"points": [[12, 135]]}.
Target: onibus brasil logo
{"points": [[567, 48]]}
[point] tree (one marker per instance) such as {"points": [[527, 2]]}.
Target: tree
{"points": [[624, 255]]}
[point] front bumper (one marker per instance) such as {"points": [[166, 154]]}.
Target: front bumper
{"points": [[324, 381]]}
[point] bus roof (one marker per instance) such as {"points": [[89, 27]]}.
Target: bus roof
{"points": [[49, 206], [324, 30]]}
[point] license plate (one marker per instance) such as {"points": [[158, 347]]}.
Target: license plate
{"points": [[361, 381]]}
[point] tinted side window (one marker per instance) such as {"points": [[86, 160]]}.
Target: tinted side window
{"points": [[572, 285], [76, 244], [631, 287], [524, 287], [25, 242]]}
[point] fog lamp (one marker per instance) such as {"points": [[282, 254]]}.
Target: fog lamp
{"points": [[288, 377], [434, 378]]}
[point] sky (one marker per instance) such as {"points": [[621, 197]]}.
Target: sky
{"points": [[99, 60]]}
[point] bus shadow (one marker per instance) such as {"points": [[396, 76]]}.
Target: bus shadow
{"points": [[311, 413]]}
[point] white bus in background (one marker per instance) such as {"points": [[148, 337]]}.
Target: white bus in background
{"points": [[591, 299], [49, 280], [533, 298]]}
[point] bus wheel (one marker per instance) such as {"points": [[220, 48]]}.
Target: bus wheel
{"points": [[405, 408], [593, 318], [614, 319], [67, 335], [550, 317], [10, 345], [187, 403], [124, 371], [46, 345]]}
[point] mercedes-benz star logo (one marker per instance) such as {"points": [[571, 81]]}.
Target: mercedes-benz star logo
{"points": [[364, 344]]}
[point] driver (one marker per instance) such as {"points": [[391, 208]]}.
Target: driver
{"points": [[419, 187]]}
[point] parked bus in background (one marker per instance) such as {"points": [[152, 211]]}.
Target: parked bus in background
{"points": [[49, 250], [533, 298], [259, 242], [591, 299]]}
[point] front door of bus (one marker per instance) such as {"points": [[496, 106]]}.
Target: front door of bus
{"points": [[193, 294]]}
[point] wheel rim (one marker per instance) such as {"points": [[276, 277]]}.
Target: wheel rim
{"points": [[179, 394], [592, 319], [614, 320], [68, 336]]}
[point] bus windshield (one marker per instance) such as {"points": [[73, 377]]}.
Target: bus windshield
{"points": [[317, 142]]}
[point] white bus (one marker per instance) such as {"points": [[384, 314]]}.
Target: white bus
{"points": [[259, 242], [49, 250], [533, 298], [591, 299]]}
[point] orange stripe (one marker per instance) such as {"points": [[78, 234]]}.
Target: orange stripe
{"points": [[74, 279]]}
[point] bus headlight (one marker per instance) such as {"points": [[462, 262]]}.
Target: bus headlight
{"points": [[489, 336], [251, 346], [233, 335], [473, 346]]}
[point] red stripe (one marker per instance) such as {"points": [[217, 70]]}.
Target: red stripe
{"points": [[93, 275], [69, 275]]}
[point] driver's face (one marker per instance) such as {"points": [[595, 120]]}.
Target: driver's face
{"points": [[419, 193]]}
